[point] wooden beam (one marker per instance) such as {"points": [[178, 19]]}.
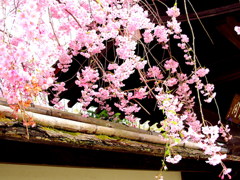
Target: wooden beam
{"points": [[43, 154], [206, 13], [227, 30], [232, 76], [13, 130], [51, 136], [211, 12]]}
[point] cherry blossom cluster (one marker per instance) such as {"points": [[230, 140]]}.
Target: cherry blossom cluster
{"points": [[237, 29], [37, 34]]}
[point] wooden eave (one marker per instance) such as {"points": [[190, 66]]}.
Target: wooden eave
{"points": [[138, 141], [48, 145], [14, 131], [107, 136]]}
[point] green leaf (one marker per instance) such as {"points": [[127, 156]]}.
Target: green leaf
{"points": [[167, 152], [177, 140], [117, 114]]}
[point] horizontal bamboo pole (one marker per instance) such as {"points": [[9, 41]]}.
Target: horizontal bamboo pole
{"points": [[77, 117], [64, 124]]}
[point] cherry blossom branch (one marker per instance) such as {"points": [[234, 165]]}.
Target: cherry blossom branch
{"points": [[194, 59], [54, 32], [73, 17]]}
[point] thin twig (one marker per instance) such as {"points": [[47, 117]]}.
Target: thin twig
{"points": [[50, 21], [194, 59], [73, 18]]}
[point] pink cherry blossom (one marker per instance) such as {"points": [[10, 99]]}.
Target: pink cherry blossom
{"points": [[225, 172], [112, 66], [237, 29], [39, 35], [174, 159], [148, 36], [216, 159], [184, 38], [161, 34], [155, 72], [202, 72], [171, 65], [174, 26], [171, 82], [173, 11], [139, 94]]}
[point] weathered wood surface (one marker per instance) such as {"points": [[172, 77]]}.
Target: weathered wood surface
{"points": [[13, 130]]}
